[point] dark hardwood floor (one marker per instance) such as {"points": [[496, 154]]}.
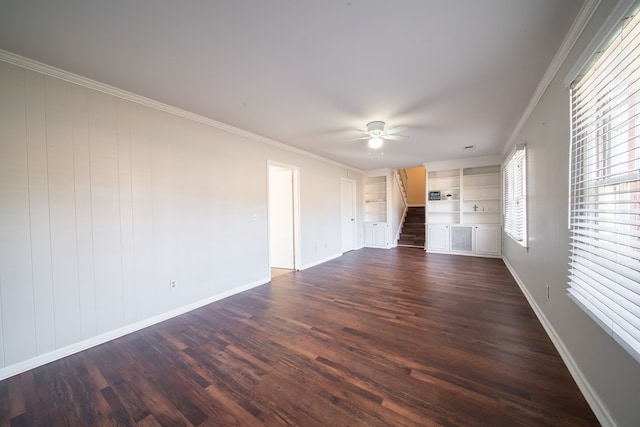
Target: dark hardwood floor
{"points": [[375, 338]]}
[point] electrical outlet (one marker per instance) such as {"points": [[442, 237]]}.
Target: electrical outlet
{"points": [[172, 284]]}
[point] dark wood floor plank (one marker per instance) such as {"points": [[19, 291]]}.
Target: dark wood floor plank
{"points": [[373, 338]]}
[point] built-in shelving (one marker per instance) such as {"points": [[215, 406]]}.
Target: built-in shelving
{"points": [[468, 221], [375, 199], [481, 198], [445, 185]]}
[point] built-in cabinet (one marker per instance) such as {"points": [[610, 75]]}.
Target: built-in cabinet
{"points": [[377, 210], [376, 234], [464, 210], [438, 237]]}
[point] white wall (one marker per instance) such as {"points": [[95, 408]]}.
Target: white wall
{"points": [[416, 183], [104, 201], [608, 376]]}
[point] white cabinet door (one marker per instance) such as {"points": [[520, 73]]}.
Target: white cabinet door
{"points": [[438, 237], [368, 234], [381, 234], [488, 239], [375, 234]]}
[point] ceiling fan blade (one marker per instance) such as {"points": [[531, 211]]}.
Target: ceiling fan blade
{"points": [[394, 137], [395, 129]]}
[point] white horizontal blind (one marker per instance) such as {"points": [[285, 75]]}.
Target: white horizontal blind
{"points": [[515, 195], [604, 273]]}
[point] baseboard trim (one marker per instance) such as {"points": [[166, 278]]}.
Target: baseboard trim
{"points": [[592, 398], [69, 350], [313, 264]]}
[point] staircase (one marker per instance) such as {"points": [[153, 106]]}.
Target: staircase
{"points": [[413, 228]]}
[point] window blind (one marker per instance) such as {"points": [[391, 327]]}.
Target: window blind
{"points": [[515, 195], [604, 216]]}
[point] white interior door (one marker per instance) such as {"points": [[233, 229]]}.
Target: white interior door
{"points": [[281, 210], [348, 214]]}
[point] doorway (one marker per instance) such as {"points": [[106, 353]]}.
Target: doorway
{"points": [[348, 214], [283, 195]]}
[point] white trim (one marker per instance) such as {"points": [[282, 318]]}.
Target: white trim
{"points": [[67, 76], [597, 405], [313, 264], [60, 353], [601, 36], [579, 24]]}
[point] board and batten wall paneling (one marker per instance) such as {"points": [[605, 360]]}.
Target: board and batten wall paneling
{"points": [[145, 297], [126, 211], [37, 148], [83, 211], [16, 274], [60, 176], [105, 201]]}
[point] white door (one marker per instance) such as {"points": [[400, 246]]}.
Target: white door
{"points": [[348, 214], [281, 228]]}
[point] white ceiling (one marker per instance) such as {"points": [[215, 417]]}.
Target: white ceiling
{"points": [[306, 73]]}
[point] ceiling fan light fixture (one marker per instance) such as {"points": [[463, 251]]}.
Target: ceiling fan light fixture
{"points": [[375, 142]]}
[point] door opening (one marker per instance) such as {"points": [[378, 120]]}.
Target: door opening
{"points": [[283, 217]]}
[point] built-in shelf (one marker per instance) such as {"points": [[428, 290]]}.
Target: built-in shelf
{"points": [[375, 197], [376, 210], [454, 226]]}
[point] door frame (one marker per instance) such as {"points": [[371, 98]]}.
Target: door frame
{"points": [[295, 172]]}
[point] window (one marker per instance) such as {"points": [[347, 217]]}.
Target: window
{"points": [[514, 186], [604, 216]]}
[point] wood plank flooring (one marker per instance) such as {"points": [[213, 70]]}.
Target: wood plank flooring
{"points": [[375, 338]]}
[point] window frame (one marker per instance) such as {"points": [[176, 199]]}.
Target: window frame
{"points": [[604, 184], [514, 189]]}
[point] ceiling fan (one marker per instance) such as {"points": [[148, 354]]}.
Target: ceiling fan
{"points": [[376, 134]]}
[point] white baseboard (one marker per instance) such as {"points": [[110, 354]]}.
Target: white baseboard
{"points": [[313, 264], [592, 398], [60, 353]]}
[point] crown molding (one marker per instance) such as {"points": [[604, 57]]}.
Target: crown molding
{"points": [[579, 24], [58, 73]]}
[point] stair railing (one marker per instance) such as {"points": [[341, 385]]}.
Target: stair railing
{"points": [[401, 177]]}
